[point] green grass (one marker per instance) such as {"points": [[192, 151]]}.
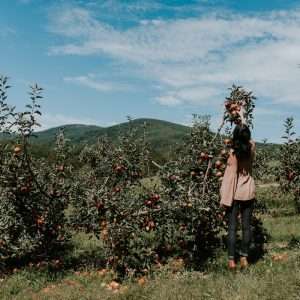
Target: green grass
{"points": [[277, 202], [267, 279]]}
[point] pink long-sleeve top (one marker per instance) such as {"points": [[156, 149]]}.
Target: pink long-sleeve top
{"points": [[238, 183]]}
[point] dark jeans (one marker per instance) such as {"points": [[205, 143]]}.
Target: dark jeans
{"points": [[246, 209]]}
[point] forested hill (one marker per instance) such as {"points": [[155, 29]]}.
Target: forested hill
{"points": [[158, 132], [162, 135]]}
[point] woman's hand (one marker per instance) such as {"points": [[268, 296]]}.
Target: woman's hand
{"points": [[222, 213], [223, 206]]}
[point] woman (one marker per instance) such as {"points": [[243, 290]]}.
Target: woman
{"points": [[238, 192]]}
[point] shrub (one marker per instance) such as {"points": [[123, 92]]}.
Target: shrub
{"points": [[33, 192], [289, 163], [108, 195], [264, 168], [191, 194]]}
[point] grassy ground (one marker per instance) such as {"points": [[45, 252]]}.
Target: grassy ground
{"points": [[276, 276]]}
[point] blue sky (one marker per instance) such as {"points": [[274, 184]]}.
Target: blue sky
{"points": [[100, 61]]}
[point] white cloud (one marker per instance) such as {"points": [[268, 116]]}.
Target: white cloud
{"points": [[101, 86], [192, 95], [268, 112], [196, 59], [168, 99]]}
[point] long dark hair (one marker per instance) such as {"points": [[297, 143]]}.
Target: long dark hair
{"points": [[241, 141]]}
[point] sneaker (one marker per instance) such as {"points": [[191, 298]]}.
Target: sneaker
{"points": [[244, 262], [231, 265]]}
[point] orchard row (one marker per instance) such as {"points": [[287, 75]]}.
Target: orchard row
{"points": [[142, 220]]}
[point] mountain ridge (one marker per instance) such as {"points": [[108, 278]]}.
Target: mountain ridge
{"points": [[79, 133], [163, 136]]}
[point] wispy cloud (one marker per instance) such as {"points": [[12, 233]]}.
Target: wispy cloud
{"points": [[197, 94], [268, 112], [195, 59], [6, 32], [102, 86]]}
